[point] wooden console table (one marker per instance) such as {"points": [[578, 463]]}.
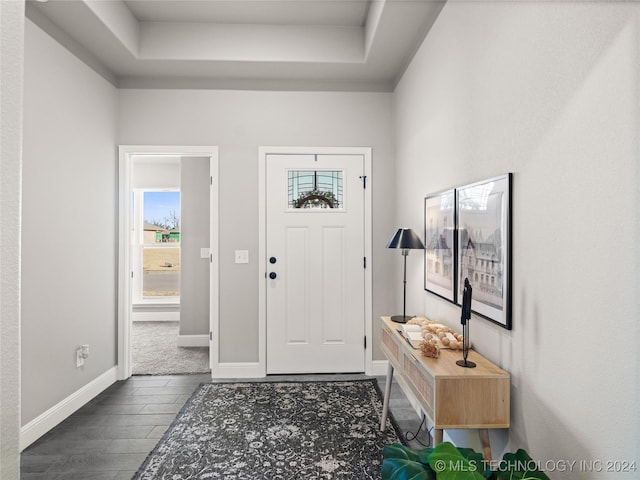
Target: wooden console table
{"points": [[452, 397]]}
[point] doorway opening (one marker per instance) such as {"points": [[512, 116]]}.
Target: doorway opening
{"points": [[168, 279]]}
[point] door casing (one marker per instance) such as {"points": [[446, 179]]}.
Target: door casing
{"points": [[124, 249], [263, 153]]}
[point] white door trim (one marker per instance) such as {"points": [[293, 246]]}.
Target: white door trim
{"points": [[125, 153], [263, 152]]}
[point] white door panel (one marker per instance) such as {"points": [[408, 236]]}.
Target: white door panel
{"points": [[315, 303]]}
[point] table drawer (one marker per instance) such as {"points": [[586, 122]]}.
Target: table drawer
{"points": [[391, 346], [422, 382]]}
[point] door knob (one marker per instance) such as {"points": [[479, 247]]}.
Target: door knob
{"points": [[272, 275], [272, 260]]}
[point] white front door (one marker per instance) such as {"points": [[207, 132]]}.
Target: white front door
{"points": [[315, 278]]}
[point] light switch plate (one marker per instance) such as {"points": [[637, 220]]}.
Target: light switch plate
{"points": [[204, 253], [242, 256]]}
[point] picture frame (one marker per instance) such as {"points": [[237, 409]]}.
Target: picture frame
{"points": [[483, 231], [440, 249]]}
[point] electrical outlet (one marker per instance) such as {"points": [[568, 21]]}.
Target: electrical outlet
{"points": [[79, 358]]}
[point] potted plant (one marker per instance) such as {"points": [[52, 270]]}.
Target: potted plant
{"points": [[448, 462]]}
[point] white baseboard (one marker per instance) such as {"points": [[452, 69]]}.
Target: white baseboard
{"points": [[56, 414], [193, 340], [379, 368], [155, 316], [239, 370]]}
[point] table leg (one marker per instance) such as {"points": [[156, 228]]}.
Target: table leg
{"points": [[486, 445], [437, 436], [387, 395]]}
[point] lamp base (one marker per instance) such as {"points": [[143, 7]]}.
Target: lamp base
{"points": [[401, 318], [465, 363]]}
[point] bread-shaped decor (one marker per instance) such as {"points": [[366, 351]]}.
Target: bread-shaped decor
{"points": [[430, 349], [437, 335]]}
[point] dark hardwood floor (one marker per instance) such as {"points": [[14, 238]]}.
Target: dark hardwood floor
{"points": [[110, 437]]}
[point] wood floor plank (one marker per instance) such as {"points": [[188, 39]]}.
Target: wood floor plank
{"points": [[98, 420], [85, 433], [110, 475], [59, 446], [185, 389], [158, 431], [39, 463], [98, 463], [125, 475], [162, 408], [94, 408], [136, 399], [131, 445]]}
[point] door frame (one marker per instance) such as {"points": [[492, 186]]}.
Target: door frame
{"points": [[263, 153], [125, 152]]}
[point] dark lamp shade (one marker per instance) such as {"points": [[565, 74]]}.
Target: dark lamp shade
{"points": [[405, 238]]}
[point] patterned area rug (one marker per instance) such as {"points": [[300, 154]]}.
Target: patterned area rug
{"points": [[275, 430]]}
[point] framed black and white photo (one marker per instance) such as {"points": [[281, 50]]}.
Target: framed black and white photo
{"points": [[483, 225], [439, 235]]}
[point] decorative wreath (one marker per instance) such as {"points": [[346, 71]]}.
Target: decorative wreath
{"points": [[316, 198]]}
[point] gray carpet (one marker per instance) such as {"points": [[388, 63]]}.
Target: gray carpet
{"points": [[155, 351]]}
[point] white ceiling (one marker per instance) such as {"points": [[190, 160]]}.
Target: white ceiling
{"points": [[350, 45]]}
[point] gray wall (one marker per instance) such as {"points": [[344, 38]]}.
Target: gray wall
{"points": [[238, 122], [194, 228], [69, 222], [150, 171], [548, 91]]}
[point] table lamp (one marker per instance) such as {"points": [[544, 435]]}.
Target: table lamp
{"points": [[405, 239]]}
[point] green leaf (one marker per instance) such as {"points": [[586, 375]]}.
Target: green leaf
{"points": [[518, 466], [397, 450], [403, 463], [451, 463], [403, 469]]}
